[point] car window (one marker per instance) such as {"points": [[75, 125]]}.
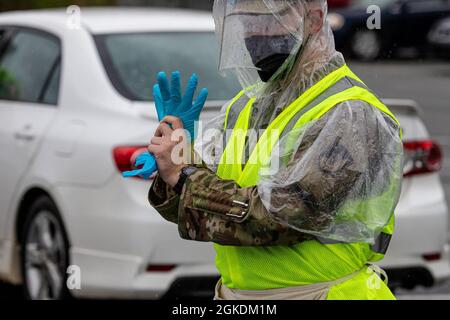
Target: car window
{"points": [[133, 61], [424, 6], [26, 65], [51, 93]]}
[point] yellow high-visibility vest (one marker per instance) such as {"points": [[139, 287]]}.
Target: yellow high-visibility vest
{"points": [[313, 261]]}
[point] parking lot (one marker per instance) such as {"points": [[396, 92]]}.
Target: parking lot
{"points": [[428, 83]]}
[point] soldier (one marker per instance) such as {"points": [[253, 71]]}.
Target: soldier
{"points": [[300, 178]]}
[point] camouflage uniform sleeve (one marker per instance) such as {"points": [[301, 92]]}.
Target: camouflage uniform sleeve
{"points": [[219, 211], [164, 199]]}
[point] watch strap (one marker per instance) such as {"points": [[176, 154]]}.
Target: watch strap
{"points": [[185, 173]]}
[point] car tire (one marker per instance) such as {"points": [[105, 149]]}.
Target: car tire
{"points": [[366, 45], [45, 253]]}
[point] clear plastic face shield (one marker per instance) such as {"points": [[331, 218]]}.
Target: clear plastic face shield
{"points": [[259, 38]]}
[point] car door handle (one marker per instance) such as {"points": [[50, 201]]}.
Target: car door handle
{"points": [[24, 136]]}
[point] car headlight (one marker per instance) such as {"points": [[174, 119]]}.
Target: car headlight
{"points": [[336, 21]]}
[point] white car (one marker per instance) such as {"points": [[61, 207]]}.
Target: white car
{"points": [[75, 110]]}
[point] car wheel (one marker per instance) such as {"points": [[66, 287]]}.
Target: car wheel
{"points": [[45, 253], [366, 45]]}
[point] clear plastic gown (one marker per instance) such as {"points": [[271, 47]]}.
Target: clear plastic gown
{"points": [[338, 177]]}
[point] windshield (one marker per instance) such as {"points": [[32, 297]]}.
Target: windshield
{"points": [[133, 61]]}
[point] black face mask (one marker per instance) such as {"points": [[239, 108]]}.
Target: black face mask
{"points": [[268, 53]]}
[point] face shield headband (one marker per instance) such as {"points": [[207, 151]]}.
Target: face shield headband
{"points": [[259, 37]]}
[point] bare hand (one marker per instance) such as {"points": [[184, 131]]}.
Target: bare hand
{"points": [[169, 148]]}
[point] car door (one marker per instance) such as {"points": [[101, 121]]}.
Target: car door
{"points": [[420, 16], [392, 23], [29, 85]]}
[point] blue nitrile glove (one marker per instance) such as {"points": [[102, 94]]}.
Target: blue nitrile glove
{"points": [[168, 101], [149, 166]]}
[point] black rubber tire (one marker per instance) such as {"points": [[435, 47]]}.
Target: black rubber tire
{"points": [[44, 203]]}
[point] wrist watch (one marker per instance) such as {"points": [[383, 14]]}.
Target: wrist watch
{"points": [[185, 173]]}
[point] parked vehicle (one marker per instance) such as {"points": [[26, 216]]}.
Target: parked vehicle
{"points": [[439, 38], [403, 24], [75, 111], [419, 253]]}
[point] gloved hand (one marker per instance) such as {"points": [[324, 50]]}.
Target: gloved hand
{"points": [[168, 101], [148, 168]]}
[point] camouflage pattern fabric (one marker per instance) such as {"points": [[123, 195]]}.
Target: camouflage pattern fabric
{"points": [[202, 213], [205, 216]]}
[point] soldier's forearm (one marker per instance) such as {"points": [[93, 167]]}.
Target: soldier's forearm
{"points": [[164, 199], [216, 210], [205, 191]]}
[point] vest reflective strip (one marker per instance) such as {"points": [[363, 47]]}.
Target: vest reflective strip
{"points": [[235, 99], [354, 93], [342, 85], [230, 166]]}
